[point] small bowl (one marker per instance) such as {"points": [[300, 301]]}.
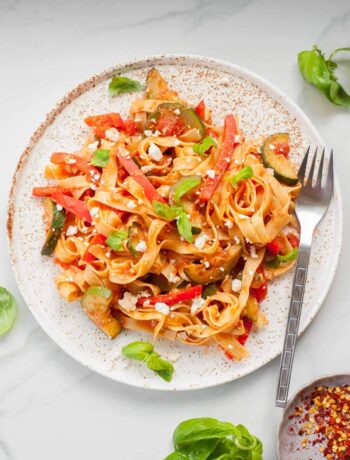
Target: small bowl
{"points": [[288, 442]]}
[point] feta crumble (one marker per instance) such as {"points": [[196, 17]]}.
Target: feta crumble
{"points": [[71, 230], [131, 205], [59, 207], [128, 302], [112, 134], [252, 252], [270, 171], [162, 307], [206, 264], [154, 152], [228, 224], [210, 173], [94, 211], [200, 241], [173, 357], [197, 303], [173, 278], [272, 147], [236, 285], [148, 133], [141, 246], [93, 146]]}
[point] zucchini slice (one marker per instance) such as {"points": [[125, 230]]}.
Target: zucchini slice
{"points": [[96, 304], [283, 169], [56, 219]]}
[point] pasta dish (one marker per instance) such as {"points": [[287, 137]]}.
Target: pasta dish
{"points": [[169, 223]]}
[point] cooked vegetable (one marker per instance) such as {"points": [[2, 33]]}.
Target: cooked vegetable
{"points": [[97, 239], [175, 212], [133, 239], [159, 280], [292, 255], [220, 266], [77, 207], [48, 190], [244, 174], [252, 307], [115, 240], [319, 71], [248, 325], [82, 165], [274, 247], [201, 148], [100, 123], [209, 290], [157, 87], [210, 439], [136, 173], [282, 167], [183, 186], [8, 310], [224, 158], [200, 110], [119, 85], [96, 304], [100, 158], [56, 218], [144, 351], [172, 298], [260, 293]]}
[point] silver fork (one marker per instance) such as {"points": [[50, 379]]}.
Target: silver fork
{"points": [[312, 204]]}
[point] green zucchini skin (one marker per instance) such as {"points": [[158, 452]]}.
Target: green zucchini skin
{"points": [[57, 219], [281, 166]]}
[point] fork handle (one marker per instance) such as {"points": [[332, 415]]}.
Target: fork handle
{"points": [[295, 308]]}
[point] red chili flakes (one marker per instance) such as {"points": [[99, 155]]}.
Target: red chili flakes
{"points": [[324, 418]]}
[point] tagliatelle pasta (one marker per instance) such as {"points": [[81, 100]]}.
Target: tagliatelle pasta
{"points": [[168, 223]]}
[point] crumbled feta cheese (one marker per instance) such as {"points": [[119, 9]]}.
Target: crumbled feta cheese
{"points": [[206, 264], [128, 302], [270, 171], [93, 146], [93, 187], [197, 303], [94, 211], [157, 133], [236, 285], [237, 138], [112, 134], [225, 81], [108, 254], [131, 204], [154, 152], [141, 246], [248, 241], [59, 207], [200, 241], [242, 216], [210, 173], [173, 278], [96, 176], [237, 240], [71, 161], [222, 269], [272, 147], [162, 307], [177, 142], [71, 230], [148, 133], [252, 252], [173, 357], [250, 272], [177, 112], [228, 224]]}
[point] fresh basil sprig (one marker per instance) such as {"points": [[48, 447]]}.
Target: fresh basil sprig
{"points": [[245, 173], [119, 85], [144, 351], [211, 439], [177, 213], [202, 147], [115, 240], [8, 310], [319, 71], [100, 158]]}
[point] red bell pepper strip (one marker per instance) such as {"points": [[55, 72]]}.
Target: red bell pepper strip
{"points": [[172, 298], [223, 161], [130, 127], [69, 159], [76, 207], [100, 123], [260, 293], [49, 190], [274, 247], [293, 240], [200, 110], [248, 324], [135, 172], [97, 239]]}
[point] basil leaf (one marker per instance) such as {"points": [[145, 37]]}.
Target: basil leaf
{"points": [[183, 186], [209, 290], [292, 255], [318, 71], [202, 147], [138, 350], [244, 173], [119, 85], [196, 429], [184, 227], [115, 240], [162, 367], [100, 158], [177, 456], [166, 212], [200, 450], [8, 310]]}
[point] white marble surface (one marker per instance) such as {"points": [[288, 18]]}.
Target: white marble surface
{"points": [[52, 407]]}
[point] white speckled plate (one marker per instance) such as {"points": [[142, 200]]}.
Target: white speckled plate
{"points": [[262, 109]]}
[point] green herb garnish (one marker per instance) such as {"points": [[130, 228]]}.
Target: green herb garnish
{"points": [[244, 173], [115, 240], [184, 185], [177, 213], [144, 351], [8, 310], [319, 71], [100, 158], [202, 147], [119, 85]]}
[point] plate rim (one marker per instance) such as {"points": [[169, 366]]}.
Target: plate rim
{"points": [[138, 63]]}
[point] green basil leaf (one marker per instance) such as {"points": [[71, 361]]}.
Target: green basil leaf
{"points": [[100, 158], [318, 71], [138, 350], [115, 240], [162, 367], [184, 227], [177, 456], [202, 147], [225, 450], [200, 450], [183, 186], [197, 429], [119, 85], [209, 290], [166, 212], [8, 310], [243, 174], [292, 255]]}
